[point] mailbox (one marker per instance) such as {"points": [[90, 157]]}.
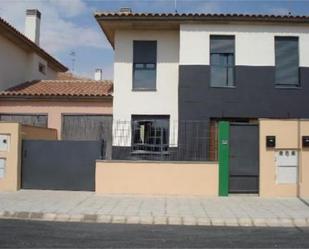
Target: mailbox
{"points": [[270, 141], [305, 141], [287, 165], [4, 142]]}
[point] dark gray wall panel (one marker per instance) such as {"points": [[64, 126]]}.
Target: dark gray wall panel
{"points": [[255, 95], [60, 165]]}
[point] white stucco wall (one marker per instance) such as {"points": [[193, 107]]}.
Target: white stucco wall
{"points": [[254, 44], [13, 64], [18, 66], [163, 101]]}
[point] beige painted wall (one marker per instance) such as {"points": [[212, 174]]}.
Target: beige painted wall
{"points": [[55, 109], [288, 136], [31, 132], [11, 180], [17, 132], [163, 178]]}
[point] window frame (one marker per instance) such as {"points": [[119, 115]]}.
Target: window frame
{"points": [[163, 148], [283, 85], [42, 68], [227, 67], [134, 69]]}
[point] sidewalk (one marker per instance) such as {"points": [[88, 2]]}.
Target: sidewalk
{"points": [[90, 207]]}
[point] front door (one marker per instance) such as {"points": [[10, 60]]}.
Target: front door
{"points": [[244, 158]]}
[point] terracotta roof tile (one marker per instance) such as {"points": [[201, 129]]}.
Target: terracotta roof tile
{"points": [[61, 88], [210, 15]]}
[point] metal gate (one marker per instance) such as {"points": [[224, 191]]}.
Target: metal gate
{"points": [[60, 165], [244, 158], [88, 127]]}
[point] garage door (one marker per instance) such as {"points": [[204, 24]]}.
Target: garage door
{"points": [[26, 119], [89, 127]]}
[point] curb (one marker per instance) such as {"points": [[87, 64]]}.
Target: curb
{"points": [[157, 220]]}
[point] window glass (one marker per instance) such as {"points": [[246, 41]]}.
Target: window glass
{"points": [[150, 134], [144, 78], [287, 61], [218, 76], [222, 61], [144, 65]]}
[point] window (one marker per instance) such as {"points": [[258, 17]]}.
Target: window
{"points": [[287, 61], [42, 68], [2, 167], [150, 134], [144, 65], [222, 61]]}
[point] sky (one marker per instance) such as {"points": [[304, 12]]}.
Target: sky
{"points": [[69, 25]]}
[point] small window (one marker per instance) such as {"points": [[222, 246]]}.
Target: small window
{"points": [[144, 65], [287, 61], [150, 134], [42, 68], [2, 167], [222, 61]]}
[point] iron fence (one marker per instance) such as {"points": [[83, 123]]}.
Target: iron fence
{"points": [[164, 140]]}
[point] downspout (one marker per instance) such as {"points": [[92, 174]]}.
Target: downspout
{"points": [[300, 165]]}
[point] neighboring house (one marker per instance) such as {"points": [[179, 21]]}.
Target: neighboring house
{"points": [[171, 69], [37, 90], [78, 109], [22, 59]]}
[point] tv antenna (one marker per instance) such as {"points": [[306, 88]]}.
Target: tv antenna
{"points": [[73, 59], [175, 6]]}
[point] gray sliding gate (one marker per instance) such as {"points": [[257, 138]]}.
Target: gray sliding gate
{"points": [[244, 158], [60, 165]]}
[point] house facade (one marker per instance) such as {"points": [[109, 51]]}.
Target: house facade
{"points": [[171, 69], [22, 58]]}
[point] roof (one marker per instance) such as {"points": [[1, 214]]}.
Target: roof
{"points": [[22, 41], [61, 88], [109, 21]]}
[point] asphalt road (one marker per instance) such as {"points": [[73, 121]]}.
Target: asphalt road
{"points": [[35, 234]]}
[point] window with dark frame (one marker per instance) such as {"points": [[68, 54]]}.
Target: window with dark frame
{"points": [[287, 61], [222, 60], [42, 68], [144, 65], [150, 134]]}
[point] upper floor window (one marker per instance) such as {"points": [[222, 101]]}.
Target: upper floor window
{"points": [[42, 68], [222, 60], [144, 65], [287, 61]]}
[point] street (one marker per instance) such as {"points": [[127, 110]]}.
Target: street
{"points": [[38, 234]]}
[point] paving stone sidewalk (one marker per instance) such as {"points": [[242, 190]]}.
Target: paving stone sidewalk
{"points": [[173, 210]]}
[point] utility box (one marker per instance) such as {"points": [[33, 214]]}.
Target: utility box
{"points": [[287, 166], [4, 142]]}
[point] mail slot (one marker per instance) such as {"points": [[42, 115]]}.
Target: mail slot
{"points": [[4, 142], [270, 141], [305, 141]]}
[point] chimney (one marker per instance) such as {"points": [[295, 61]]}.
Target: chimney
{"points": [[32, 26], [98, 74]]}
